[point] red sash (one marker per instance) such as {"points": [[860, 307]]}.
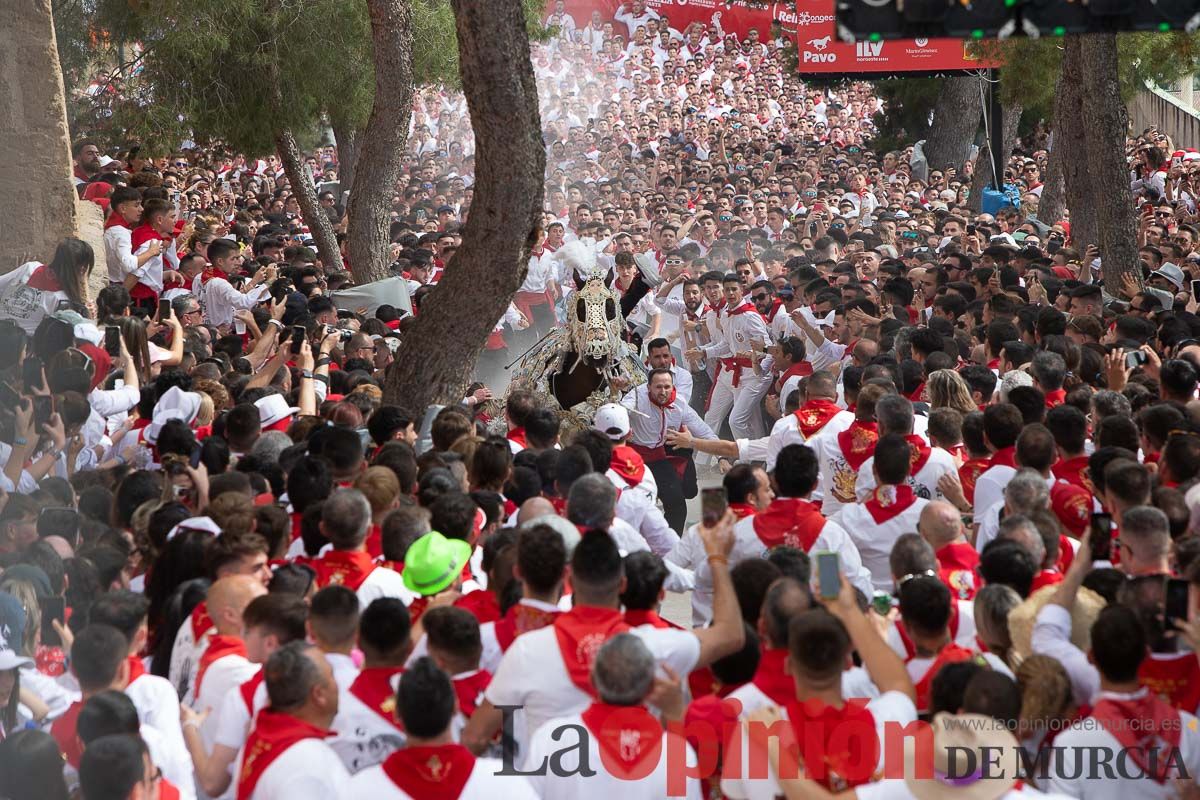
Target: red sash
{"points": [[1056, 398], [813, 416], [883, 507], [956, 568], [1004, 457], [857, 443], [629, 738], [343, 568], [44, 280], [968, 475], [250, 688], [580, 633], [644, 616], [518, 435], [1141, 724], [482, 604], [63, 731], [627, 463], [519, 619], [431, 773], [218, 647], [735, 365], [273, 734], [816, 723], [1175, 679], [373, 687], [470, 690], [951, 654], [789, 521], [771, 678], [920, 454]]}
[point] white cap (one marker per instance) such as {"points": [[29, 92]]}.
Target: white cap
{"points": [[88, 332], [272, 408], [612, 419], [206, 524], [10, 660]]}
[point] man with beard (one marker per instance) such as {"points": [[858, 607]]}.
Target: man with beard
{"points": [[692, 334], [87, 163]]}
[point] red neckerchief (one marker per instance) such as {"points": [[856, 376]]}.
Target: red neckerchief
{"points": [[470, 689], [645, 616], [769, 317], [920, 453], [143, 233], [744, 308], [521, 618], [1004, 457], [628, 464], [44, 280], [580, 633], [789, 521], [374, 541], [968, 475], [743, 510], [373, 687], [994, 364], [1046, 577], [956, 568], [772, 679], [209, 273], [1175, 679], [201, 622], [1075, 471], [1072, 506], [482, 604], [343, 568], [883, 507], [800, 368], [63, 731], [559, 503], [1056, 398], [813, 416], [431, 773], [273, 734], [694, 316], [1151, 458], [136, 669], [518, 435], [917, 395], [219, 646], [1140, 723], [250, 688], [115, 220], [950, 654], [835, 769], [629, 738], [857, 443]]}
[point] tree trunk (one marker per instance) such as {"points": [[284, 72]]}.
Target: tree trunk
{"points": [[1070, 136], [1106, 123], [1053, 204], [436, 358], [381, 156], [38, 206], [982, 177], [349, 142], [955, 121], [319, 225]]}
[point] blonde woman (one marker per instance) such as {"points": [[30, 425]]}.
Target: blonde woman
{"points": [[947, 389]]}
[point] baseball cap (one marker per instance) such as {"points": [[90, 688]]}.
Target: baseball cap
{"points": [[433, 562], [274, 409], [612, 419]]}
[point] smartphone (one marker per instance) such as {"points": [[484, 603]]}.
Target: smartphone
{"points": [[829, 581], [43, 409], [31, 373], [62, 522], [713, 505], [1196, 290], [8, 396], [164, 310], [112, 341], [53, 608], [1175, 606], [1134, 358], [298, 334], [1100, 536]]}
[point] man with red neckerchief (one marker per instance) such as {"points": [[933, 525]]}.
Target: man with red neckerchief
{"points": [[925, 607], [431, 765], [785, 598], [367, 727], [1002, 424], [224, 665], [927, 465], [345, 521], [626, 745], [286, 755], [1049, 371], [841, 457], [452, 641], [541, 569], [547, 671], [517, 407], [748, 491], [820, 415], [940, 524], [820, 642]]}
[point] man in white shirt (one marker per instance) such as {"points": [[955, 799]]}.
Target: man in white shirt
{"points": [[224, 665], [345, 521], [820, 415], [432, 764], [217, 294], [624, 675], [1002, 425], [634, 14], [894, 415], [658, 356], [286, 756], [126, 210], [547, 671]]}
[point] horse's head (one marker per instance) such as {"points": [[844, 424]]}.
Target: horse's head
{"points": [[595, 321]]}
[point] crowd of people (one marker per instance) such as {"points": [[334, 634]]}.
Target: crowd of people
{"points": [[952, 478]]}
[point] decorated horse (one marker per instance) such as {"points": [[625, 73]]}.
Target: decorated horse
{"points": [[585, 363]]}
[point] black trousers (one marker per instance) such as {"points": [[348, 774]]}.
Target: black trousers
{"points": [[674, 491]]}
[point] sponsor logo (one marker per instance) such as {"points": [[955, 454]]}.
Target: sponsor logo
{"points": [[921, 42], [804, 18], [868, 50], [819, 44], [818, 58]]}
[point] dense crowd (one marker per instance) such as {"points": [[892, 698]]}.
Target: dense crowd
{"points": [[952, 478]]}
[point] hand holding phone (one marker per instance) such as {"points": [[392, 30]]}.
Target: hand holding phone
{"points": [[1176, 603], [298, 334], [829, 580], [1100, 536], [112, 341], [713, 505]]}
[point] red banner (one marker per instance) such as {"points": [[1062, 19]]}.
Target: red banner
{"points": [[812, 22]]}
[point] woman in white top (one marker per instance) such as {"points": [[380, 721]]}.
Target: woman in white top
{"points": [[34, 290]]}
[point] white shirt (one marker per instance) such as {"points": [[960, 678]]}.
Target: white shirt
{"points": [[221, 300], [875, 540], [602, 785], [484, 784], [532, 673], [223, 676], [897, 789], [364, 738], [492, 652], [383, 582], [924, 484], [185, 660], [786, 430], [989, 489], [650, 425], [308, 770], [344, 670], [118, 253], [157, 705], [24, 305], [640, 512]]}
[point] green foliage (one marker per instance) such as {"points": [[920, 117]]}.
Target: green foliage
{"points": [[908, 105], [435, 45], [73, 35]]}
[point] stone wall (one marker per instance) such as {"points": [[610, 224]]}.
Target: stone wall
{"points": [[37, 198]]}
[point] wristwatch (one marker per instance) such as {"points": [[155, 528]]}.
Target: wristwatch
{"points": [[306, 373]]}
